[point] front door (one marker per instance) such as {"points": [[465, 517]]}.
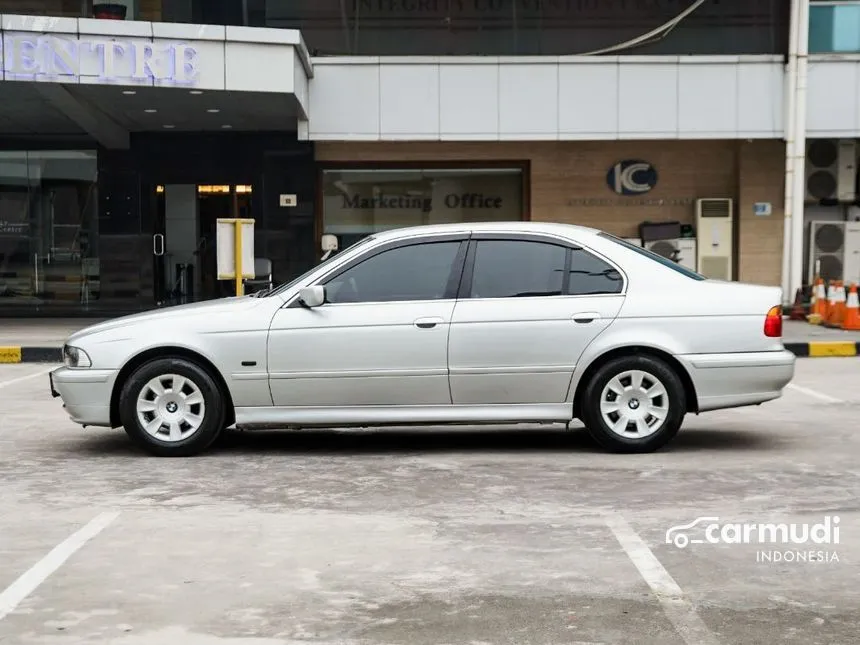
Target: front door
{"points": [[528, 308], [381, 337]]}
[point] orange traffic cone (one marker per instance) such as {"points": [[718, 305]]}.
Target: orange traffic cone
{"points": [[851, 320], [831, 302], [838, 305], [818, 307]]}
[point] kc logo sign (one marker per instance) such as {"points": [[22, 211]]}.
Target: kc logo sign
{"points": [[632, 177]]}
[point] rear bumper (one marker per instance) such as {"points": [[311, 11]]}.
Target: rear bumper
{"points": [[734, 380], [85, 393]]}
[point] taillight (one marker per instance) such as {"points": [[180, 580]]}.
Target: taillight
{"points": [[773, 322]]}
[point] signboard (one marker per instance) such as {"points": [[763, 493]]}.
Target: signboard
{"points": [[762, 209], [226, 248], [631, 177], [27, 56]]}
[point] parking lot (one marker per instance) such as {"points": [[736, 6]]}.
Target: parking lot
{"points": [[432, 536]]}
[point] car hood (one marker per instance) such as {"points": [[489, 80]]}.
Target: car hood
{"points": [[167, 314]]}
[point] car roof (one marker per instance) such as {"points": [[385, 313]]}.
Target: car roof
{"points": [[488, 227]]}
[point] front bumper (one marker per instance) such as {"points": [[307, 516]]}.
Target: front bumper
{"points": [[85, 392]]}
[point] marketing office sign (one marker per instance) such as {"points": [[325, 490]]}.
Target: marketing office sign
{"points": [[28, 56]]}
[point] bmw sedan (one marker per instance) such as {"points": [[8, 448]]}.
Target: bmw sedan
{"points": [[490, 323]]}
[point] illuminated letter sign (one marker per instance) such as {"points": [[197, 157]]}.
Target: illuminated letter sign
{"points": [[632, 177], [31, 56]]}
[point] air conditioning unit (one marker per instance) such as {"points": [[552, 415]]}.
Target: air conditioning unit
{"points": [[715, 236], [834, 251], [683, 249], [831, 170]]}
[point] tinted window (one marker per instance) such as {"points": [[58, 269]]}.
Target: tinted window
{"points": [[666, 262], [591, 275], [416, 272], [509, 268]]}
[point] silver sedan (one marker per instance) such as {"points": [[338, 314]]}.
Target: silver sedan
{"points": [[491, 323]]}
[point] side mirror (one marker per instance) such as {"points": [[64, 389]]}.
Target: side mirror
{"points": [[312, 296]]}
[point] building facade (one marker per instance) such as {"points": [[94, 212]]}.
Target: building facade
{"points": [[127, 129]]}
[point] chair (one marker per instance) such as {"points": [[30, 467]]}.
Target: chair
{"points": [[263, 273]]}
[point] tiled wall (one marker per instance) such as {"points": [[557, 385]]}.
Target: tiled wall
{"points": [[566, 174]]}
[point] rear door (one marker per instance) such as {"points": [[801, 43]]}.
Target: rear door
{"points": [[527, 308]]}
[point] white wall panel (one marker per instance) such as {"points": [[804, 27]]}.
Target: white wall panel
{"points": [[344, 101], [833, 106], [702, 87], [532, 114], [648, 99], [409, 101], [760, 105], [539, 98], [468, 101], [588, 99]]}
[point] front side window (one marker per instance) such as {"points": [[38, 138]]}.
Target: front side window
{"points": [[515, 268], [414, 272], [589, 275]]}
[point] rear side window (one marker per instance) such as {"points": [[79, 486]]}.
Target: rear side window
{"points": [[589, 275], [666, 262], [517, 268]]}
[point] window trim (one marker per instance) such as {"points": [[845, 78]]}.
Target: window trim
{"points": [[569, 245], [454, 277]]}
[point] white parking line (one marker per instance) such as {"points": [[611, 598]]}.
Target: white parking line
{"points": [[814, 394], [24, 378], [30, 580], [676, 606]]}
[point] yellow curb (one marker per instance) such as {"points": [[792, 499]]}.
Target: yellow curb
{"points": [[10, 354], [833, 348]]}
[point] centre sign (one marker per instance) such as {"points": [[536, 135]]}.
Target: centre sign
{"points": [[28, 56]]}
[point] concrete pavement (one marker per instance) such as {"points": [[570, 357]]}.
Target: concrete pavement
{"points": [[500, 536]]}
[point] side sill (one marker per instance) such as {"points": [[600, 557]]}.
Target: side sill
{"points": [[370, 415]]}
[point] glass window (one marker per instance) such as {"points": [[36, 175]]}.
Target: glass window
{"points": [[666, 262], [415, 272], [834, 27], [515, 268], [48, 229], [361, 202], [589, 275], [523, 27]]}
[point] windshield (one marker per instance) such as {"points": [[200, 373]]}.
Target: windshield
{"points": [[292, 283], [654, 256]]}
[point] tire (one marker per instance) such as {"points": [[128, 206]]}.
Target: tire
{"points": [[653, 420], [195, 419]]}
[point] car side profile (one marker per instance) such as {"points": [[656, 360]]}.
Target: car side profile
{"points": [[487, 323]]}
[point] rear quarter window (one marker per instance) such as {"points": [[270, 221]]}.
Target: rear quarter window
{"points": [[666, 262]]}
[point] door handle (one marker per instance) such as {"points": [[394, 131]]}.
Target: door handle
{"points": [[585, 317], [158, 249], [428, 323]]}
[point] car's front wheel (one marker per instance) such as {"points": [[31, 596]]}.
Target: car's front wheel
{"points": [[633, 404], [172, 407]]}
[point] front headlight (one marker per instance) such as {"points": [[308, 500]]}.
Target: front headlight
{"points": [[75, 357]]}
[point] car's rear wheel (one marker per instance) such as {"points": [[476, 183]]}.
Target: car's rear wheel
{"points": [[634, 404], [172, 407]]}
